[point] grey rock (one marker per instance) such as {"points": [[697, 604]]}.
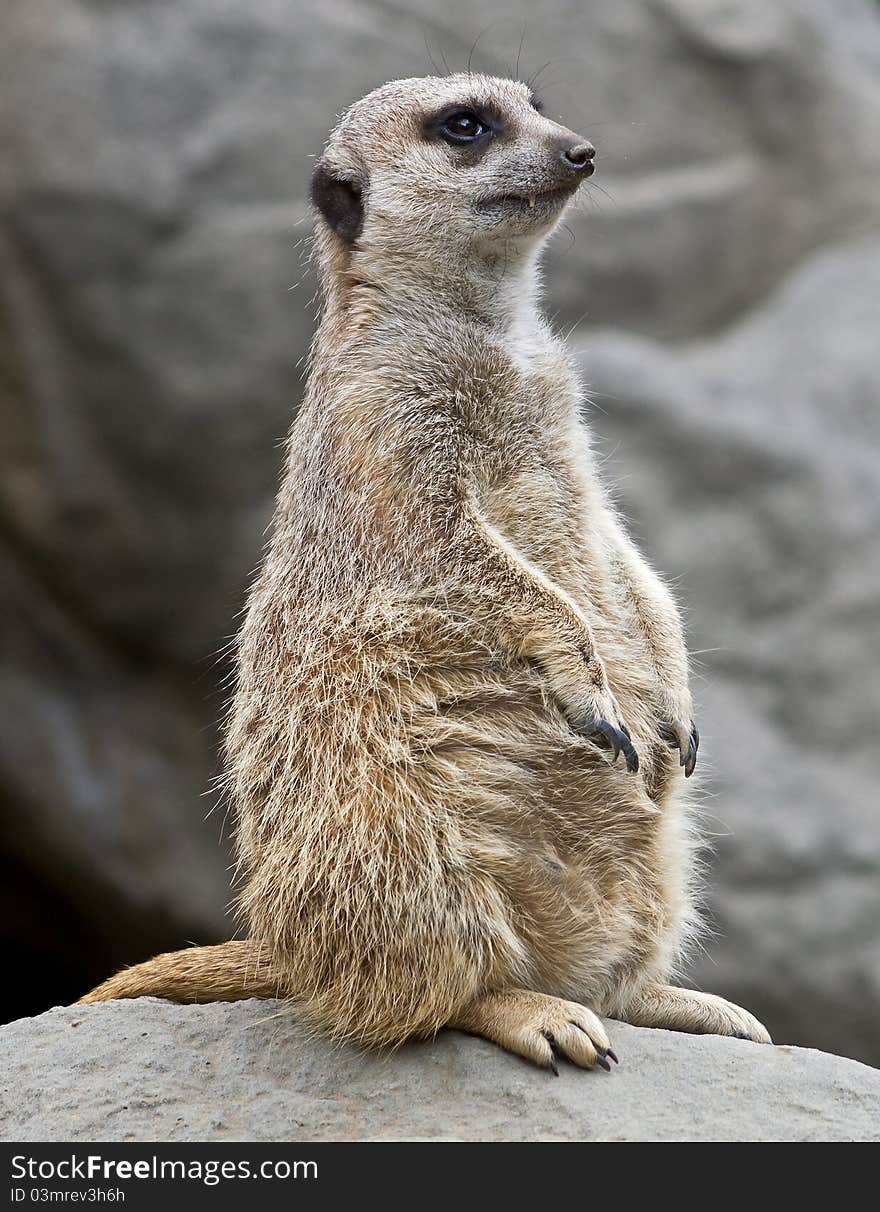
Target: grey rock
{"points": [[98, 754], [149, 1071]]}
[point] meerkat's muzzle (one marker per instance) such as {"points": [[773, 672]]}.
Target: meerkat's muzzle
{"points": [[578, 159], [550, 185]]}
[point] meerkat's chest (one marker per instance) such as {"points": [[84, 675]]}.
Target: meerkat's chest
{"points": [[542, 490], [539, 507], [547, 386]]}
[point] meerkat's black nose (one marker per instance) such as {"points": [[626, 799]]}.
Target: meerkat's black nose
{"points": [[579, 157]]}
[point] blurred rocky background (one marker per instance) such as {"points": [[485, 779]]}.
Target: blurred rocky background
{"points": [[722, 283]]}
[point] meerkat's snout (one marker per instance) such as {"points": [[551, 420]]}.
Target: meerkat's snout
{"points": [[543, 167], [580, 158]]}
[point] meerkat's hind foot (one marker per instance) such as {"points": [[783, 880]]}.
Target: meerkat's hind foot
{"points": [[674, 1009], [541, 1028]]}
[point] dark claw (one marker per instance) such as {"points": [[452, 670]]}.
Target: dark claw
{"points": [[688, 757], [691, 762], [612, 735], [619, 739], [632, 758], [600, 1060], [551, 1064], [613, 1055], [743, 1035]]}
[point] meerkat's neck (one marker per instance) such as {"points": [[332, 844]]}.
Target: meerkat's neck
{"points": [[501, 291]]}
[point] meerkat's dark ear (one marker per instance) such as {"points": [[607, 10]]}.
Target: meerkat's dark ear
{"points": [[340, 200]]}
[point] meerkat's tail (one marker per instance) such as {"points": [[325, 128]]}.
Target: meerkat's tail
{"points": [[228, 972]]}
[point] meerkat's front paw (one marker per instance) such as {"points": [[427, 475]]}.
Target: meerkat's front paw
{"points": [[583, 693], [684, 736], [618, 740], [596, 715], [600, 719], [540, 1028]]}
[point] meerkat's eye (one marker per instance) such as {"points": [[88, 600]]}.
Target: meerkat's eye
{"points": [[463, 127]]}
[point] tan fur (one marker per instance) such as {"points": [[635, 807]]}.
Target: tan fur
{"points": [[429, 830], [228, 972]]}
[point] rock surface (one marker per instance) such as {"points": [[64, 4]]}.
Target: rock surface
{"points": [[149, 1071], [152, 203]]}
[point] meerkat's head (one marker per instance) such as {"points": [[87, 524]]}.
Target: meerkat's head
{"points": [[464, 163]]}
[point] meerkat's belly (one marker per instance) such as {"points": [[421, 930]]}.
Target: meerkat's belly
{"points": [[591, 868], [584, 858], [600, 868], [396, 719]]}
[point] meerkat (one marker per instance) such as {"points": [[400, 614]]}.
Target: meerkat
{"points": [[462, 721]]}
